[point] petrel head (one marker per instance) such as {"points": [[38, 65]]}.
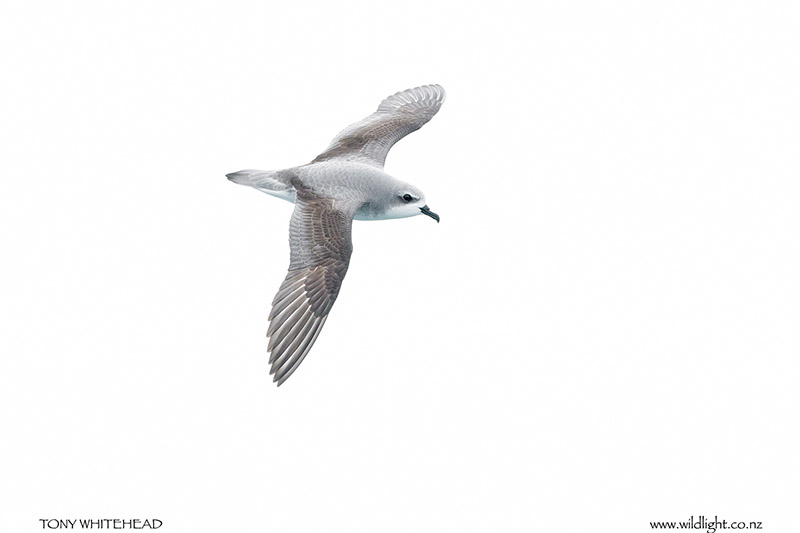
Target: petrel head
{"points": [[408, 201]]}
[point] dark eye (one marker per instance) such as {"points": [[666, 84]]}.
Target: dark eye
{"points": [[407, 197]]}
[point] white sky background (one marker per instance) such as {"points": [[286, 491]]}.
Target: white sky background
{"points": [[602, 332]]}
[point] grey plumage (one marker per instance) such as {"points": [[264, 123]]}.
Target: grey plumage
{"points": [[370, 139], [343, 183]]}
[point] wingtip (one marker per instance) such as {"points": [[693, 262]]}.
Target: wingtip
{"points": [[432, 93]]}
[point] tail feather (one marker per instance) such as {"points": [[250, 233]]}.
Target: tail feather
{"points": [[274, 182]]}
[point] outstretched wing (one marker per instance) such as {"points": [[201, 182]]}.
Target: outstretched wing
{"points": [[319, 236], [398, 115]]}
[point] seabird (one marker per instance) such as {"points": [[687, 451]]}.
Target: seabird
{"points": [[343, 183]]}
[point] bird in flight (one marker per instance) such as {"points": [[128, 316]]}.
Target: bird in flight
{"points": [[346, 182]]}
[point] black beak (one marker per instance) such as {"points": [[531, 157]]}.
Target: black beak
{"points": [[427, 211]]}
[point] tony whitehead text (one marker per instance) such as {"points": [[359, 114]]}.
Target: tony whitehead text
{"points": [[100, 523]]}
